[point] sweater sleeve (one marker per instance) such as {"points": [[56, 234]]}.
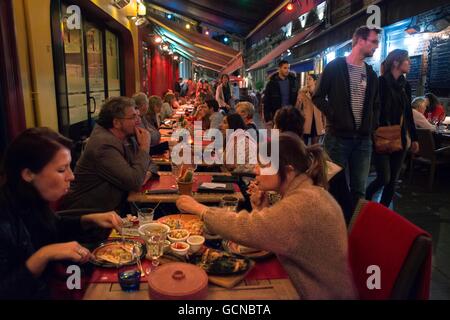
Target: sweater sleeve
{"points": [[114, 168], [269, 229]]}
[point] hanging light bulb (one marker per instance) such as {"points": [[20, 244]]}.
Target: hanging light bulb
{"points": [[290, 6], [188, 26], [142, 9], [158, 39]]}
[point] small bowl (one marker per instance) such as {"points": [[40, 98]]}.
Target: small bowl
{"points": [[196, 242], [180, 248], [171, 235], [152, 226]]}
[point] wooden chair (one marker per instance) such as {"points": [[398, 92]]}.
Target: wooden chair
{"points": [[429, 155]]}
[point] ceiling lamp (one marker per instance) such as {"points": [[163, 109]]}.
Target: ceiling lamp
{"points": [[188, 26], [169, 16], [290, 6], [207, 32], [226, 39], [142, 9]]}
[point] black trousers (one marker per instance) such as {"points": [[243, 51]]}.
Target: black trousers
{"points": [[388, 168]]}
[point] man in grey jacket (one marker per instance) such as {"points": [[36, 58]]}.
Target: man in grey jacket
{"points": [[111, 164]]}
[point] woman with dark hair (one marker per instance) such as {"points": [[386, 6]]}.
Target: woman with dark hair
{"points": [[36, 171], [215, 116], [314, 119], [435, 112], [240, 147], [223, 93], [305, 229], [289, 119], [395, 101]]}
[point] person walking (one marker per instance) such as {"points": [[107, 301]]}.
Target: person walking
{"points": [[348, 96], [395, 98]]}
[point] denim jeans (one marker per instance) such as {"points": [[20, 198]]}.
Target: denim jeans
{"points": [[388, 168], [352, 154]]}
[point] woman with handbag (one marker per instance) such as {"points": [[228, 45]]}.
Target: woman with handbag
{"points": [[396, 132]]}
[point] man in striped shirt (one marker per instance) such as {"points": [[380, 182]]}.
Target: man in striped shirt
{"points": [[348, 96]]}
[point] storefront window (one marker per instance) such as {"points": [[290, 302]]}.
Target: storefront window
{"points": [[75, 73], [112, 62]]}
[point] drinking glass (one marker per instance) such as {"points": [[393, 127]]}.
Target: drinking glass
{"points": [[145, 215], [129, 277], [155, 245], [230, 203]]}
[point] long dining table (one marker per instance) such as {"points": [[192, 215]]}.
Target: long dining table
{"points": [[164, 189]]}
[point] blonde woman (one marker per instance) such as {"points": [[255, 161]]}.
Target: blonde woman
{"points": [[314, 119]]}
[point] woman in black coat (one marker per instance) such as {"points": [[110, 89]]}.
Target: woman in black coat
{"points": [[395, 100], [36, 171]]}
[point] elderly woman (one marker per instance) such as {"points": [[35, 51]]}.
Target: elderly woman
{"points": [[148, 115], [419, 106], [314, 253], [36, 172]]}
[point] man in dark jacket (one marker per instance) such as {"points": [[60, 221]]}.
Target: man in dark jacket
{"points": [[281, 90], [348, 96]]}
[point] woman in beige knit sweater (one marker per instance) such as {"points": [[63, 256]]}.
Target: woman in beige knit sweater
{"points": [[314, 119], [305, 229]]}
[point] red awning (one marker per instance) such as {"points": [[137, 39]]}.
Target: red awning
{"points": [[282, 47], [234, 64]]}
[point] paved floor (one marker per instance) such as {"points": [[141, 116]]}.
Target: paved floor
{"points": [[431, 212]]}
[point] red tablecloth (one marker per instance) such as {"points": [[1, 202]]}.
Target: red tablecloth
{"points": [[263, 270]]}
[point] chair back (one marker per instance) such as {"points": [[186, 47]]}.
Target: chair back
{"points": [[426, 144], [385, 247]]}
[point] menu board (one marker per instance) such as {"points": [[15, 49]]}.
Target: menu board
{"points": [[439, 66], [414, 73]]}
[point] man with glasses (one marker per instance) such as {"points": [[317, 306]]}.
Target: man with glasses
{"points": [[348, 96], [115, 161]]}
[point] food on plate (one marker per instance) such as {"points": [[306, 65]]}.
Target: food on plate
{"points": [[194, 226], [180, 245], [220, 262], [179, 234], [115, 252]]}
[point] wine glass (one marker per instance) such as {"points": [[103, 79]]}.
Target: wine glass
{"points": [[155, 245]]}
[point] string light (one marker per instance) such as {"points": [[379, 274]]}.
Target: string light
{"points": [[290, 6]]}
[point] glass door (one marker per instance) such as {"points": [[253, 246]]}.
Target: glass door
{"points": [[92, 71], [95, 69]]}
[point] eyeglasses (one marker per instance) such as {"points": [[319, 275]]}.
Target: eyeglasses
{"points": [[375, 41]]}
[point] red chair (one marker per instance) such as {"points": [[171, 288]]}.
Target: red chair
{"points": [[402, 251]]}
